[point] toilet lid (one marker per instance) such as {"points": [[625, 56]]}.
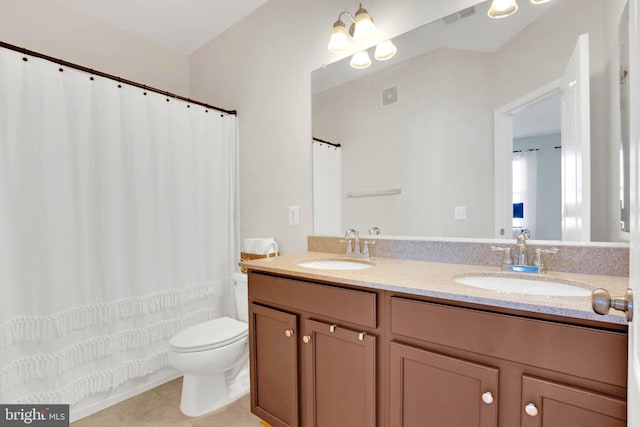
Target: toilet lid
{"points": [[209, 335]]}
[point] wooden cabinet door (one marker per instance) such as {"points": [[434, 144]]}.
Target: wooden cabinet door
{"points": [[274, 365], [430, 389], [340, 378], [557, 405]]}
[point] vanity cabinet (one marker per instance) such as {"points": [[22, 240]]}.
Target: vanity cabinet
{"points": [[313, 351], [539, 373], [332, 355]]}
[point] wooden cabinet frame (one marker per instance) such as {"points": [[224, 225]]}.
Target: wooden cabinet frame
{"points": [[514, 357]]}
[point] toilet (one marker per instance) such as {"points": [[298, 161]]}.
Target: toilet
{"points": [[208, 352]]}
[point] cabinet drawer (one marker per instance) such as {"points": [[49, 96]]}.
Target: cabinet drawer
{"points": [[579, 351], [347, 305]]}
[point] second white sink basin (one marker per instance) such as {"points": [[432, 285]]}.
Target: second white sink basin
{"points": [[336, 264], [524, 286]]}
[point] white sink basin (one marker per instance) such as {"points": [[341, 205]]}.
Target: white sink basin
{"points": [[336, 264], [528, 286]]}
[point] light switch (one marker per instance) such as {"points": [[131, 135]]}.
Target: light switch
{"points": [[294, 215], [460, 212]]}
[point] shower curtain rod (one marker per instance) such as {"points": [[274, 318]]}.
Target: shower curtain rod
{"points": [[326, 142], [64, 63]]}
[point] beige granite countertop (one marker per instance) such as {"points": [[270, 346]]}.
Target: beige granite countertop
{"points": [[437, 280]]}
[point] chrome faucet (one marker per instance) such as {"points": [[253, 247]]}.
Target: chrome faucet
{"points": [[355, 251], [521, 258], [521, 244], [348, 235]]}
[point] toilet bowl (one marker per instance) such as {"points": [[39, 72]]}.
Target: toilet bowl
{"points": [[205, 353]]}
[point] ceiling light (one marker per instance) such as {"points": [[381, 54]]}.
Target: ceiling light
{"points": [[539, 1], [361, 59], [502, 8], [385, 50]]}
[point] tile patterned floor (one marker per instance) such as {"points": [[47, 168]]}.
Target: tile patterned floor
{"points": [[160, 407]]}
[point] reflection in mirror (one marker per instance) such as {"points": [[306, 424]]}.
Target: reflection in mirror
{"points": [[536, 170], [422, 123], [623, 41]]}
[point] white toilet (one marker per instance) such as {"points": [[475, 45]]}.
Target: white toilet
{"points": [[206, 352]]}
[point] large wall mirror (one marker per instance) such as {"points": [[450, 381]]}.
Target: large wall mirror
{"points": [[477, 127]]}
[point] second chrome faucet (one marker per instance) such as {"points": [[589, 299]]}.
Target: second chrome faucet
{"points": [[522, 259]]}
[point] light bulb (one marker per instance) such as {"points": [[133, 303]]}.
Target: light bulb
{"points": [[339, 40], [360, 60], [385, 50], [502, 8], [363, 27]]}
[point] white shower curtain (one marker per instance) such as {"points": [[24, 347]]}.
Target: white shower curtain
{"points": [[327, 188], [116, 229]]}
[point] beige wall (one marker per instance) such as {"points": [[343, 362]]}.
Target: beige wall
{"points": [[46, 27], [262, 67], [436, 143]]}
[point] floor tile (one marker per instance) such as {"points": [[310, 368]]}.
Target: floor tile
{"points": [[107, 417], [171, 391], [237, 414], [159, 407], [149, 407]]}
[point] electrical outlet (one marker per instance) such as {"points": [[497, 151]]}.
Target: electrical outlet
{"points": [[460, 212], [294, 215]]}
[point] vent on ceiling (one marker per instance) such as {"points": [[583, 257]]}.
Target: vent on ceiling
{"points": [[461, 14]]}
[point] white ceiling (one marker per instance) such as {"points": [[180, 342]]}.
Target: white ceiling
{"points": [[181, 25]]}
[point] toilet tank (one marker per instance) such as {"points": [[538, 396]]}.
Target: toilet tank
{"points": [[242, 297]]}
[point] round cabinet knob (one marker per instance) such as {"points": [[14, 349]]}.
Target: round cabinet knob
{"points": [[306, 339], [487, 397], [288, 332], [531, 409]]}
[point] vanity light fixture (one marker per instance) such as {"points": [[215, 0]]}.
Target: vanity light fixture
{"points": [[361, 29]]}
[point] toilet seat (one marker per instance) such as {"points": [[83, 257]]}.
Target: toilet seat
{"points": [[209, 335]]}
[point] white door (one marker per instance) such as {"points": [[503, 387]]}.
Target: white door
{"points": [[576, 140], [633, 393]]}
